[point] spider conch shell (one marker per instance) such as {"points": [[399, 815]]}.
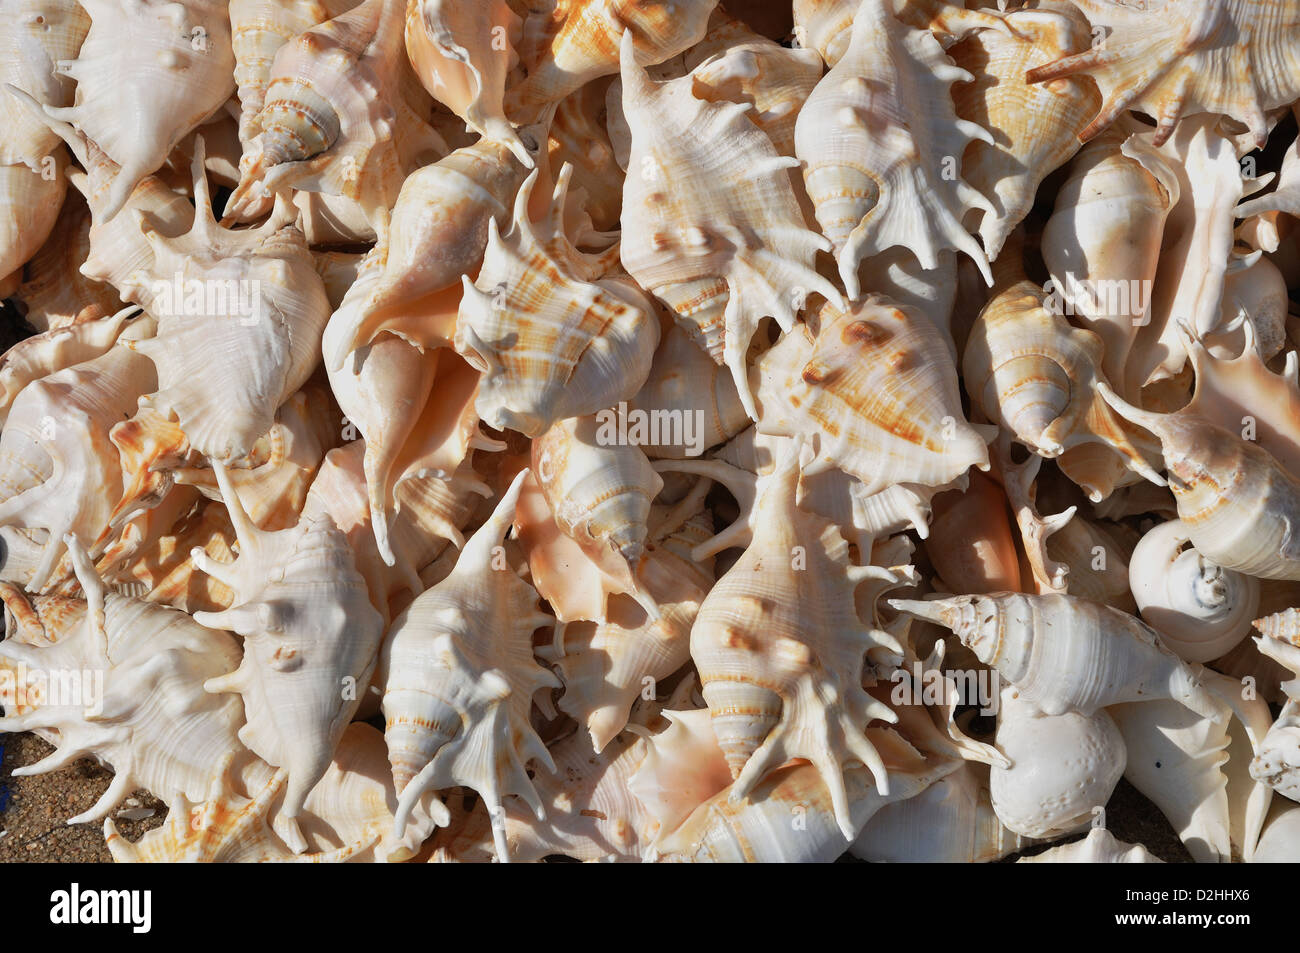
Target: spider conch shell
{"points": [[1184, 765], [1099, 847], [55, 350], [550, 343], [459, 679], [252, 296], [310, 640], [1254, 294], [1237, 58], [439, 232], [684, 390], [55, 292], [605, 666], [140, 706], [791, 816], [826, 25], [1105, 233], [462, 52], [951, 821], [886, 103], [877, 388], [578, 136], [735, 64], [258, 29], [1238, 502], [336, 119], [34, 36], [1097, 556], [1035, 127], [1200, 609], [567, 43], [137, 116], [58, 470], [600, 492], [1035, 375], [1068, 654], [779, 645], [1062, 766], [714, 232]]}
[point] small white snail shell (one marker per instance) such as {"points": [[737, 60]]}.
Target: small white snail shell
{"points": [[1200, 609]]}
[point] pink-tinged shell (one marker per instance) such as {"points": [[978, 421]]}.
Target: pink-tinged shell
{"points": [[551, 342], [882, 147], [35, 36], [461, 53], [973, 549], [1034, 127], [439, 232], [137, 108], [1238, 502], [876, 391], [139, 704], [459, 678], [240, 315], [1184, 57], [310, 640], [710, 221], [29, 208], [578, 137], [791, 816], [1107, 227], [567, 43], [337, 119], [1064, 653], [779, 647]]}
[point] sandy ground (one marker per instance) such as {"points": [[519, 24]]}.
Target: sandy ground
{"points": [[34, 811]]}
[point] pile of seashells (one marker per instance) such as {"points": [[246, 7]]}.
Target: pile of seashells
{"points": [[689, 444]]}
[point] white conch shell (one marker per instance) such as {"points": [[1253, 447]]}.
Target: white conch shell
{"points": [[29, 208], [1062, 767], [1236, 500], [1177, 760], [715, 233], [138, 703], [35, 35], [876, 391], [875, 137], [459, 679], [462, 52], [310, 640], [779, 644], [1099, 847], [551, 342], [58, 470], [1185, 57], [138, 107], [1067, 654], [1201, 610], [254, 298], [951, 821], [336, 118]]}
